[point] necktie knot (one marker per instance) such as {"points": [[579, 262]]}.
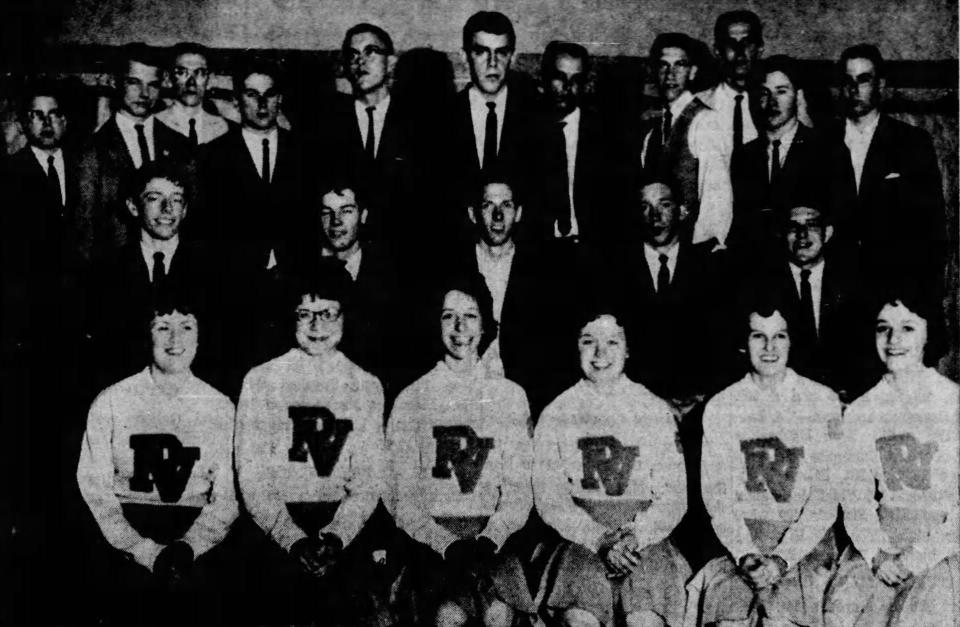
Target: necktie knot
{"points": [[142, 144], [492, 107], [159, 271], [805, 275], [663, 274], [192, 135], [369, 147], [664, 260], [776, 143], [50, 161], [158, 257], [370, 110], [738, 98]]}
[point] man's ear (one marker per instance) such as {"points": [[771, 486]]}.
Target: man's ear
{"points": [[132, 208], [519, 213], [279, 100], [693, 72], [684, 213], [464, 57], [473, 218], [828, 233], [363, 216], [881, 85], [391, 64]]}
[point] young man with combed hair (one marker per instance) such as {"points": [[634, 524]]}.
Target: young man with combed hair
{"points": [[460, 465], [609, 477], [156, 472], [189, 72], [310, 456], [765, 478]]}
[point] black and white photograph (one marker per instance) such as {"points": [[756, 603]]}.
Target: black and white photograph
{"points": [[466, 313]]}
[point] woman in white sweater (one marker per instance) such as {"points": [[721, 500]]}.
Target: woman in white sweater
{"points": [[899, 474], [609, 477], [460, 452]]}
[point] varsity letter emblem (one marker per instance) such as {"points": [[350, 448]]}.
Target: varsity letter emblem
{"points": [[317, 431], [771, 466], [905, 461], [460, 452], [159, 459], [607, 461]]}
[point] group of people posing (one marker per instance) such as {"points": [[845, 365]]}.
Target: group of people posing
{"points": [[498, 362]]}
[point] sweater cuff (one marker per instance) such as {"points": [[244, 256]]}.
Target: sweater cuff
{"points": [[145, 553]]}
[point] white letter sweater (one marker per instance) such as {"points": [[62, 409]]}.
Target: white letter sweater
{"points": [[604, 459], [765, 466], [143, 446], [905, 450], [460, 448], [307, 432]]}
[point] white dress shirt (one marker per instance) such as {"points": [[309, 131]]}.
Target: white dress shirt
{"points": [[816, 287], [149, 246], [676, 108], [786, 140], [652, 256], [254, 142], [353, 263], [128, 129], [571, 136], [858, 142], [58, 166], [379, 117], [478, 114]]}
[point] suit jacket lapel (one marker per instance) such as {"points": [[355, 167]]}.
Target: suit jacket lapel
{"points": [[796, 157], [874, 164], [116, 147], [466, 127]]}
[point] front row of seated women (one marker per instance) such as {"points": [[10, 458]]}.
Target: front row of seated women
{"points": [[459, 472]]}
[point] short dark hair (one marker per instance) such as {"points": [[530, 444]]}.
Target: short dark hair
{"points": [[328, 280], [568, 48], [365, 27], [492, 22], [923, 298], [763, 302], [188, 47], [135, 51], [340, 183], [473, 285], [862, 51], [787, 65], [44, 87], [161, 169], [674, 40], [494, 175], [258, 65], [663, 178], [740, 16]]}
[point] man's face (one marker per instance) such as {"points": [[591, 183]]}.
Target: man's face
{"points": [[461, 326], [778, 99], [319, 325], [603, 349], [259, 102], [565, 84], [497, 215], [160, 208], [369, 66], [139, 89], [45, 123], [674, 72], [861, 88], [768, 345], [174, 340], [806, 236], [738, 52], [190, 76], [341, 218], [661, 215], [901, 336], [489, 57]]}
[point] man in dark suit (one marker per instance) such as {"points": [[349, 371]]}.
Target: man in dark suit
{"points": [[574, 173], [491, 124], [130, 138], [127, 284], [895, 214], [373, 134], [823, 294], [787, 162]]}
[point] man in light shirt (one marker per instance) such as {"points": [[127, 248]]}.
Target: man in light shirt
{"points": [[892, 186], [738, 42], [189, 72], [124, 143]]}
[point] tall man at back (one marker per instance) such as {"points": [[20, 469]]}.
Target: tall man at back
{"points": [[189, 72]]}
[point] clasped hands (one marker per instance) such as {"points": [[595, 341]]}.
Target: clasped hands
{"points": [[762, 571], [619, 550], [316, 555]]}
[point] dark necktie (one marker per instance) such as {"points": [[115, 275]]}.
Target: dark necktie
{"points": [[563, 206], [738, 122], [194, 140], [655, 145], [54, 180], [265, 174], [775, 164], [666, 126], [490, 136], [368, 148], [159, 272], [663, 276], [142, 142], [809, 320]]}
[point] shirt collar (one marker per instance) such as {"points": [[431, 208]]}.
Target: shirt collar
{"points": [[678, 105], [872, 119], [42, 156], [483, 255], [181, 112], [254, 137], [149, 246], [125, 122], [479, 102], [653, 255], [572, 119], [787, 138], [815, 272], [378, 109], [729, 94], [781, 392]]}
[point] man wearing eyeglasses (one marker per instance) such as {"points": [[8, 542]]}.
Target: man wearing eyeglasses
{"points": [[574, 171], [189, 73], [309, 454]]}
